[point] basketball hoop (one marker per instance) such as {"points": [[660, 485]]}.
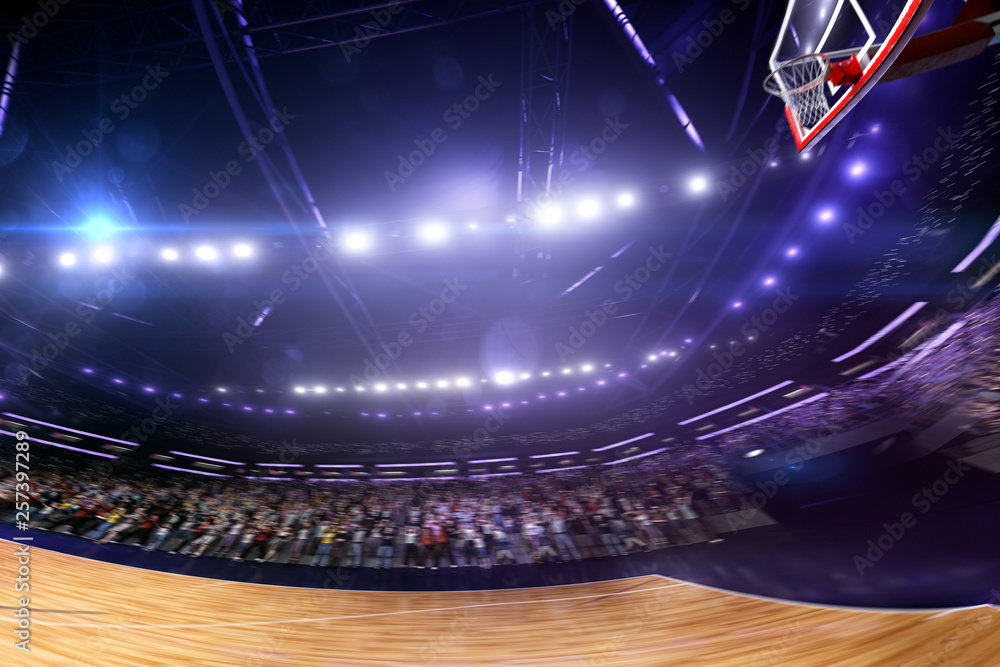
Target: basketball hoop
{"points": [[799, 83]]}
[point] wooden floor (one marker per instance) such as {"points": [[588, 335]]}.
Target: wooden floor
{"points": [[93, 613]]}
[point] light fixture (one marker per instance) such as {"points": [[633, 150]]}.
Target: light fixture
{"points": [[104, 254], [357, 241], [626, 200], [169, 254], [504, 377], [588, 208], [434, 232], [698, 184], [549, 214], [67, 259], [206, 253], [243, 250]]}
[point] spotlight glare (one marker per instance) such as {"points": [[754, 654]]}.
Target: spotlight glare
{"points": [[206, 253], [169, 254], [300, 390], [858, 169], [626, 200], [319, 389], [652, 357], [737, 304], [473, 226], [104, 254], [769, 281], [442, 384], [792, 252], [463, 382], [434, 232], [550, 214], [826, 215], [756, 452], [67, 259], [421, 385], [586, 368], [525, 376], [357, 241], [401, 386], [504, 377], [698, 184], [243, 250], [381, 387], [567, 371], [588, 208]]}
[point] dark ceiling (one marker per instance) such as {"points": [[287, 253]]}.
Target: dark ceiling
{"points": [[176, 328]]}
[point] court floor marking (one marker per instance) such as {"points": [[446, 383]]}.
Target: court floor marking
{"points": [[347, 618]]}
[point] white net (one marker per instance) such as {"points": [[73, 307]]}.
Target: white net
{"points": [[799, 83]]}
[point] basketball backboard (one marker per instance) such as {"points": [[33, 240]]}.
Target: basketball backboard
{"points": [[872, 31]]}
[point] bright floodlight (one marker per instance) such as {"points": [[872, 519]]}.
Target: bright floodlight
{"points": [[300, 390], [550, 214], [473, 226], [434, 232], [769, 281], [442, 384], [169, 254], [401, 386], [698, 184], [588, 208], [737, 304], [463, 382], [104, 254], [357, 241], [756, 452], [206, 253], [505, 377], [858, 169], [826, 215], [792, 252], [587, 368], [525, 376], [320, 389], [652, 357], [421, 385], [626, 200], [67, 259], [243, 250], [567, 371], [381, 387]]}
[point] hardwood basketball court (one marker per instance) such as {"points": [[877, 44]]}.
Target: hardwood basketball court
{"points": [[88, 612]]}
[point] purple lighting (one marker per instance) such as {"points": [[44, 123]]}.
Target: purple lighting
{"points": [[203, 400], [562, 393], [88, 371], [148, 389], [622, 374], [269, 411], [858, 169], [248, 408], [769, 281], [876, 129], [600, 382], [289, 412], [792, 252], [688, 341], [117, 381], [826, 215], [737, 304]]}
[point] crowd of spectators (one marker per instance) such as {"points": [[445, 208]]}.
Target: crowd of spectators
{"points": [[588, 513], [962, 370]]}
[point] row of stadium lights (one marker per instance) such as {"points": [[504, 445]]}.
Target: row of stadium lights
{"points": [[105, 254]]}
